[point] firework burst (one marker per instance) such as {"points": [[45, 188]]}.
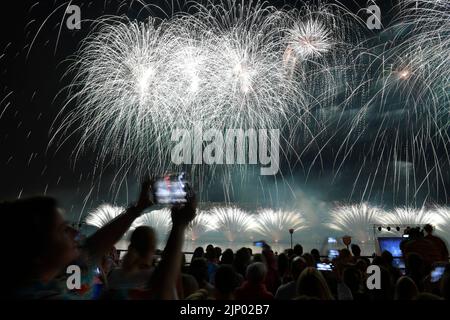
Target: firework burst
{"points": [[356, 220], [232, 222], [244, 64], [310, 39], [202, 223], [274, 225], [442, 221], [159, 220], [102, 215], [411, 217], [404, 105], [137, 82]]}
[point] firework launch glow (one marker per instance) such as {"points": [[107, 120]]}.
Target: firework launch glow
{"points": [[232, 224]]}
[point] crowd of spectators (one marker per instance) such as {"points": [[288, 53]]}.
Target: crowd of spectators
{"points": [[41, 246]]}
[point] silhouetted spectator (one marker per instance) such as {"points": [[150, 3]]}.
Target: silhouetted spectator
{"points": [[386, 290], [345, 256], [226, 283], [353, 279], [47, 244], [283, 267], [289, 290], [273, 280], [415, 269], [242, 260], [212, 262], [188, 286], [298, 250], [416, 243], [162, 284], [388, 261], [199, 270], [290, 253], [316, 255], [405, 289], [362, 265], [356, 251], [137, 265], [445, 284], [227, 257], [198, 253], [440, 244], [310, 262], [254, 288], [218, 252], [312, 284], [258, 257], [427, 296], [199, 295]]}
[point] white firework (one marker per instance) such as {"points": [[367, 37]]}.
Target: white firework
{"points": [[202, 223], [412, 217], [102, 215], [408, 74], [320, 53], [415, 63], [159, 220], [309, 39], [442, 218], [137, 82], [232, 222], [275, 224], [442, 221], [356, 221]]}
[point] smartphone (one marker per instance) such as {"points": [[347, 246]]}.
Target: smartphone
{"points": [[171, 189], [332, 240], [324, 266], [332, 254], [436, 273], [259, 244]]}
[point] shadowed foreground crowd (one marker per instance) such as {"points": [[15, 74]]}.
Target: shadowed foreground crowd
{"points": [[40, 245]]}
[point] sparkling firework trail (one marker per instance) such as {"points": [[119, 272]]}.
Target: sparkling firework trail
{"points": [[159, 220], [249, 65], [441, 219], [274, 225], [412, 217], [232, 222], [356, 220], [136, 82], [228, 65], [102, 215], [202, 223], [407, 105]]}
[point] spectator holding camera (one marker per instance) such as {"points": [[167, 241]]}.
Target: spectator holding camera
{"points": [[44, 244]]}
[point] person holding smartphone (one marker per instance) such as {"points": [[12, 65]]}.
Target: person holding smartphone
{"points": [[43, 244]]}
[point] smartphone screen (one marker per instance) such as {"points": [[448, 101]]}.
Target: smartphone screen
{"points": [[332, 254], [171, 189], [437, 273], [259, 244], [324, 267]]}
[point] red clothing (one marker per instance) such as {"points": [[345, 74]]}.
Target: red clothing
{"points": [[440, 245], [423, 247], [273, 280], [250, 291]]}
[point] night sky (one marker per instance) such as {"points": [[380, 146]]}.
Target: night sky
{"points": [[31, 96]]}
